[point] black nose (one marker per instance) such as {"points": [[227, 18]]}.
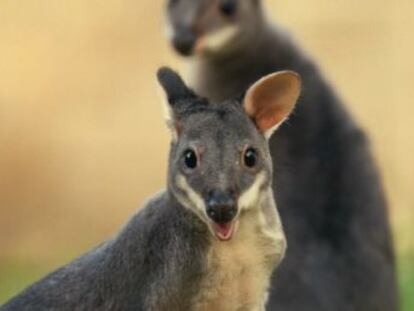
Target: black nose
{"points": [[184, 42], [221, 208]]}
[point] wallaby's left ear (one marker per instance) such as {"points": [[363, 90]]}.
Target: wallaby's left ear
{"points": [[174, 87], [177, 93], [269, 101]]}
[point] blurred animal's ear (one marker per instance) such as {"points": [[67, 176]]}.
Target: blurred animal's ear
{"points": [[177, 94], [269, 101]]}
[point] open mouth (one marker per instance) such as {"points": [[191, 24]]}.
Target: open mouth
{"points": [[224, 232]]}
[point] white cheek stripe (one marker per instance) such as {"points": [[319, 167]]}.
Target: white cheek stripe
{"points": [[193, 199], [247, 199], [214, 41], [251, 196]]}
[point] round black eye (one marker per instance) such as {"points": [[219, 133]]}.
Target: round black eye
{"points": [[250, 157], [190, 159], [228, 7]]}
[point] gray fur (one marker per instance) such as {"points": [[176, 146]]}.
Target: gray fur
{"points": [[340, 254], [149, 265], [158, 261]]}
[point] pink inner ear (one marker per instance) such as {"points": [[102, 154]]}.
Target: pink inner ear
{"points": [[270, 100], [265, 123], [269, 116]]}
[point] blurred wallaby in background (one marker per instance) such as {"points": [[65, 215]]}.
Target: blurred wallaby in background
{"points": [[211, 240], [340, 254]]}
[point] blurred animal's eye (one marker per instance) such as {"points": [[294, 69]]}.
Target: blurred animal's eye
{"points": [[228, 7], [190, 159], [250, 157]]}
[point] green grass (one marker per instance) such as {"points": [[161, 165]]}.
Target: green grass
{"points": [[406, 281], [15, 277]]}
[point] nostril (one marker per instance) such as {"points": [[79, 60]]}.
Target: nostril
{"points": [[232, 212], [211, 212]]}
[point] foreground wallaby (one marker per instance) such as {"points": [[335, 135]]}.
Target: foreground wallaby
{"points": [[211, 240], [340, 254]]}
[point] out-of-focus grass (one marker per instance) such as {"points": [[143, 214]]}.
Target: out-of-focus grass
{"points": [[406, 281], [15, 277]]}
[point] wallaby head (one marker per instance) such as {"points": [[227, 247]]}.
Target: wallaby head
{"points": [[219, 159], [210, 27]]}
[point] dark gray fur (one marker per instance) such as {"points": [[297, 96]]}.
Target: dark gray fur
{"points": [[340, 255], [157, 261], [156, 258]]}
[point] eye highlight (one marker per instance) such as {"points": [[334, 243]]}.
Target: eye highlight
{"points": [[249, 157], [190, 159]]}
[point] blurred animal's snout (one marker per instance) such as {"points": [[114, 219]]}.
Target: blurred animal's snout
{"points": [[221, 207], [184, 41]]}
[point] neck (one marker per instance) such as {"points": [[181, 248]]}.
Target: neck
{"points": [[229, 74]]}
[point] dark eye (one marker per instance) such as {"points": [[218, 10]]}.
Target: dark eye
{"points": [[190, 159], [250, 157], [228, 7]]}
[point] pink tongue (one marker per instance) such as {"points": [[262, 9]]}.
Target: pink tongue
{"points": [[224, 231]]}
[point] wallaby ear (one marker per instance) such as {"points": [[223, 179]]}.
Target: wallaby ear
{"points": [[174, 87], [269, 101], [175, 90]]}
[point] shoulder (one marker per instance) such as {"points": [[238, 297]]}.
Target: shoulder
{"points": [[148, 215]]}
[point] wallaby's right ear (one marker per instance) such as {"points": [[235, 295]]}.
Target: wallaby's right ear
{"points": [[269, 101], [175, 90]]}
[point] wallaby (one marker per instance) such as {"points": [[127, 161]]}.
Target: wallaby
{"points": [[340, 254], [211, 240]]}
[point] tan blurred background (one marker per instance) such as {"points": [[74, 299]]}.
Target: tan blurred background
{"points": [[82, 139]]}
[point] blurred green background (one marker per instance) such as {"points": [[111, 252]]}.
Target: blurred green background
{"points": [[82, 138]]}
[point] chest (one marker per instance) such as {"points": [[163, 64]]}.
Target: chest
{"points": [[238, 271]]}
